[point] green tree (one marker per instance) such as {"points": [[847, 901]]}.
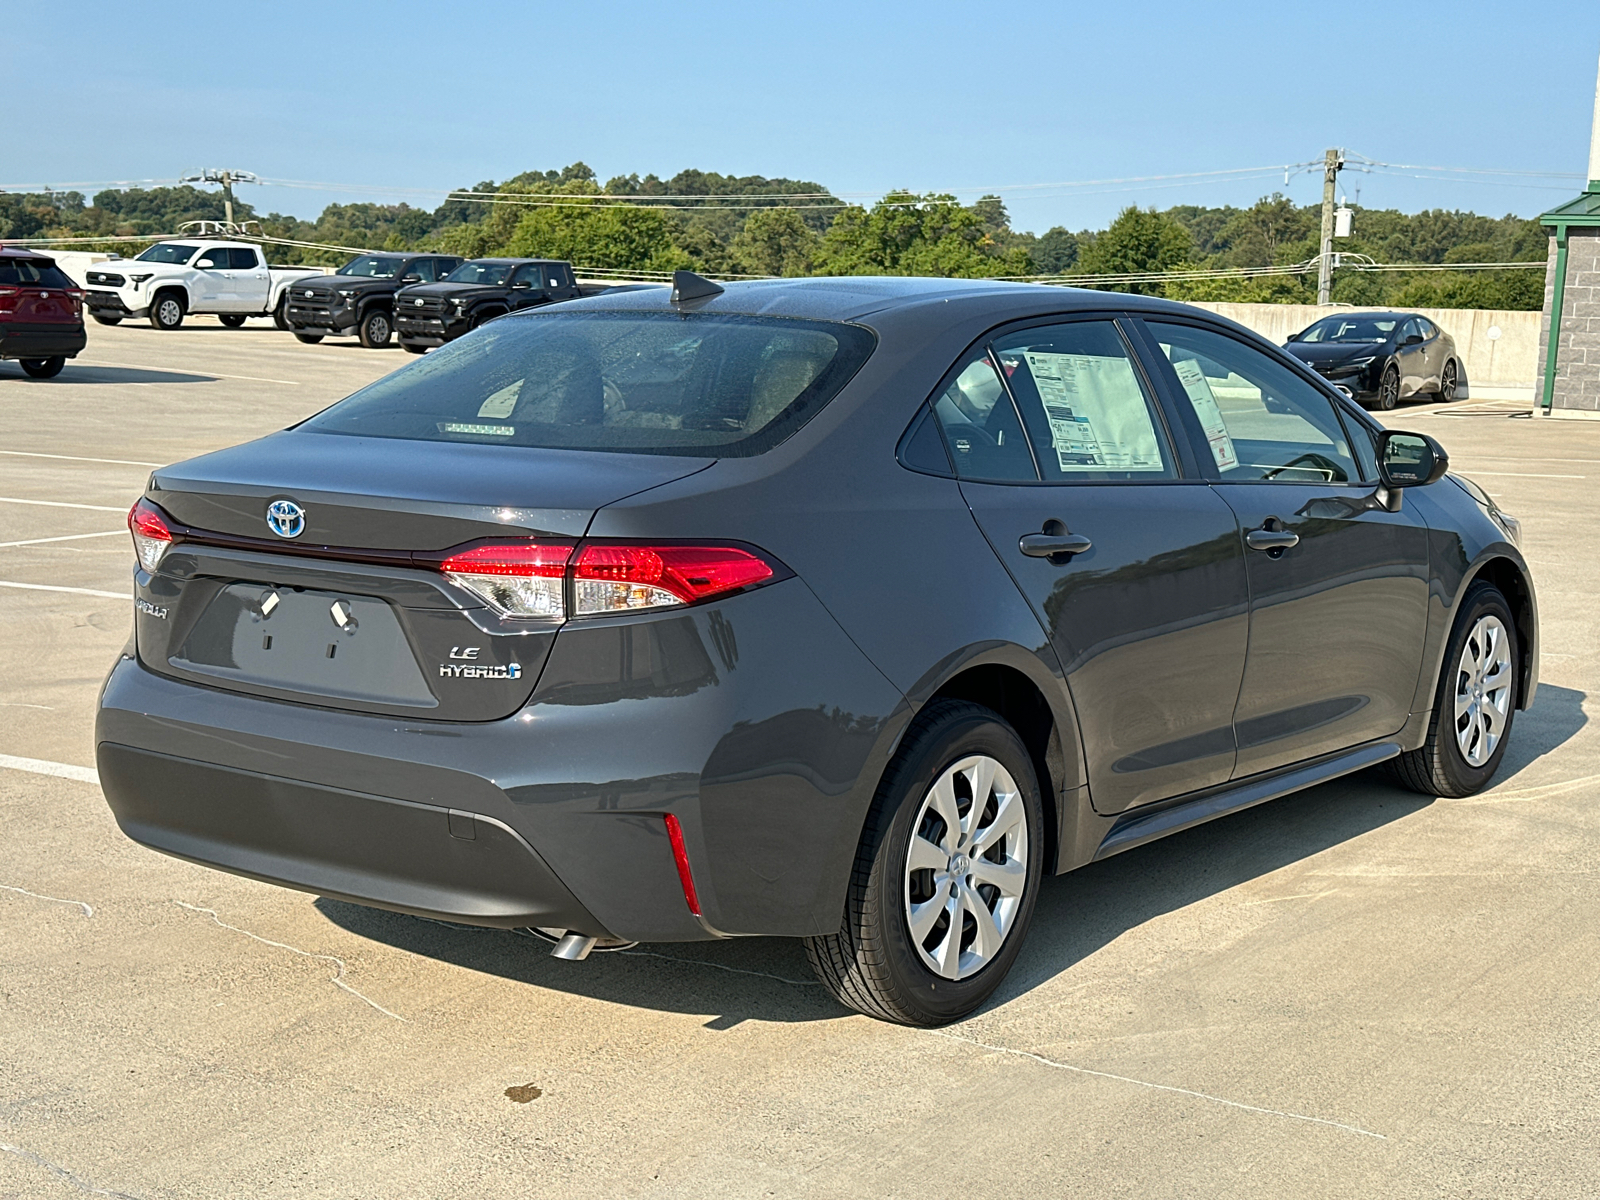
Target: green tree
{"points": [[608, 237], [1138, 240], [1055, 251], [775, 241], [907, 234]]}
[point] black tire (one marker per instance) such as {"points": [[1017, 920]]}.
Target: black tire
{"points": [[310, 339], [872, 964], [1440, 767], [1449, 382], [232, 320], [101, 319], [377, 329], [413, 348], [167, 310], [1389, 388], [43, 368], [280, 315]]}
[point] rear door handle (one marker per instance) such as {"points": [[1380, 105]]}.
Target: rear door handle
{"points": [[1048, 545], [1269, 538]]}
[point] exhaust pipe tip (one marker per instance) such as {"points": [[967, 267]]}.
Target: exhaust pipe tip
{"points": [[574, 947]]}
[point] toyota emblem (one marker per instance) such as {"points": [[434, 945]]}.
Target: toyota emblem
{"points": [[286, 518]]}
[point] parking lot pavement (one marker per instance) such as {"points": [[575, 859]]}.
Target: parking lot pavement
{"points": [[1355, 991]]}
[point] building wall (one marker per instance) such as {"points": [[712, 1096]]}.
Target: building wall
{"points": [[1510, 360], [1577, 383]]}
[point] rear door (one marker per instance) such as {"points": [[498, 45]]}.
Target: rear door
{"points": [[1055, 432], [250, 282], [1338, 586]]}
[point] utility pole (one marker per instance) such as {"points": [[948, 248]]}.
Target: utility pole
{"points": [[227, 179], [1332, 161]]}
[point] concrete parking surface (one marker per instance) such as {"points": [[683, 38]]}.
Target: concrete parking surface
{"points": [[1355, 991]]}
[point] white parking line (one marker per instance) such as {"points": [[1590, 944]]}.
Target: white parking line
{"points": [[192, 374], [61, 504], [43, 766], [1523, 475], [121, 462], [68, 537], [50, 587]]}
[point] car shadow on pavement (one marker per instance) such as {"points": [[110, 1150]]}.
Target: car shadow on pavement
{"points": [[767, 979], [123, 375]]}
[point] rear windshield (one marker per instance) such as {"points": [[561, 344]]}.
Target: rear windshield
{"points": [[168, 252], [644, 383], [369, 266], [35, 271], [493, 274]]}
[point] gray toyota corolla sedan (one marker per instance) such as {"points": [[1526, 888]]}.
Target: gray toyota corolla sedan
{"points": [[839, 609]]}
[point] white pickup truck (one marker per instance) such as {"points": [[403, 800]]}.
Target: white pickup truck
{"points": [[191, 275]]}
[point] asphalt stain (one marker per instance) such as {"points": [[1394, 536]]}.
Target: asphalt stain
{"points": [[523, 1094]]}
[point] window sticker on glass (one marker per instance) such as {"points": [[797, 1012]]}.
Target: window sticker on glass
{"points": [[501, 404], [1205, 407], [1098, 420]]}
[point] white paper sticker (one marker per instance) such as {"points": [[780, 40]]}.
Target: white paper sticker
{"points": [[500, 404], [1097, 414], [1205, 407]]}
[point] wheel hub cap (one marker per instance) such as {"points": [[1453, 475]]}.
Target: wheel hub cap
{"points": [[966, 867], [1483, 690]]}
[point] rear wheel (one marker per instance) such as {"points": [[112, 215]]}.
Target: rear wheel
{"points": [[167, 311], [375, 329], [310, 339], [1449, 382], [232, 320], [43, 368], [1475, 704], [1389, 388], [946, 874], [105, 320]]}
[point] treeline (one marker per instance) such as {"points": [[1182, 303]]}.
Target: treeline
{"points": [[751, 225]]}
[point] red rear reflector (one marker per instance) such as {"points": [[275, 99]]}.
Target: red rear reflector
{"points": [[681, 857]]}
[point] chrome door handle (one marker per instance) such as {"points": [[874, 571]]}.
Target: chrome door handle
{"points": [[1271, 539], [1048, 545]]}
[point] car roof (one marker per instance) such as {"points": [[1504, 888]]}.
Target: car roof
{"points": [[520, 261], [26, 255], [854, 297]]}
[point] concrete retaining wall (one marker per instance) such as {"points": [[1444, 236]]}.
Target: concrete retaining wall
{"points": [[1509, 361]]}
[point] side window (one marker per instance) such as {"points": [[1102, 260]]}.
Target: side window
{"points": [[443, 267], [1427, 327], [1365, 444], [419, 266], [528, 273], [1084, 407], [1412, 328], [1263, 422], [980, 425], [244, 259], [213, 259]]}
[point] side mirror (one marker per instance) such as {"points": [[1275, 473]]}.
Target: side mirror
{"points": [[412, 278], [1410, 459], [1412, 339], [205, 264]]}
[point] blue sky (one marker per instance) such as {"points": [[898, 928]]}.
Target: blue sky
{"points": [[401, 97]]}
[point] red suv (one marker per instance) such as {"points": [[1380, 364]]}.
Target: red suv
{"points": [[41, 313]]}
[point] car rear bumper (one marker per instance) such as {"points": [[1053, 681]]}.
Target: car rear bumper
{"points": [[766, 752], [41, 341]]}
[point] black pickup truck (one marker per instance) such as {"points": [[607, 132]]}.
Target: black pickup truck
{"points": [[359, 297], [431, 314]]}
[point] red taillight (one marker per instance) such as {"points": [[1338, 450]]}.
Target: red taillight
{"points": [[151, 535], [620, 578], [681, 857], [517, 579]]}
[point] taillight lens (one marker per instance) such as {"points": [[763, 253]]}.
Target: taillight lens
{"points": [[151, 535], [518, 580], [626, 578]]}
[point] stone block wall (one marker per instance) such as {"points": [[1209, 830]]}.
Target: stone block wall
{"points": [[1577, 384]]}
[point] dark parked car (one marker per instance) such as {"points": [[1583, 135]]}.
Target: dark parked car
{"points": [[431, 314], [358, 298], [839, 609], [1381, 358], [41, 313]]}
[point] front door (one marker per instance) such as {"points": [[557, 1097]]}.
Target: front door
{"points": [[1338, 585], [1412, 356], [210, 285], [1149, 619], [527, 287]]}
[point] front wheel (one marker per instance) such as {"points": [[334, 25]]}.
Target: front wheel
{"points": [[375, 329], [280, 315], [232, 320], [1449, 382], [310, 339], [166, 312], [1475, 704], [1389, 388], [43, 368], [946, 874], [100, 319], [413, 348]]}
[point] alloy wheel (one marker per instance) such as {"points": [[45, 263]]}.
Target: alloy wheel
{"points": [[1483, 690], [170, 313], [1389, 389], [1447, 383], [966, 867]]}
